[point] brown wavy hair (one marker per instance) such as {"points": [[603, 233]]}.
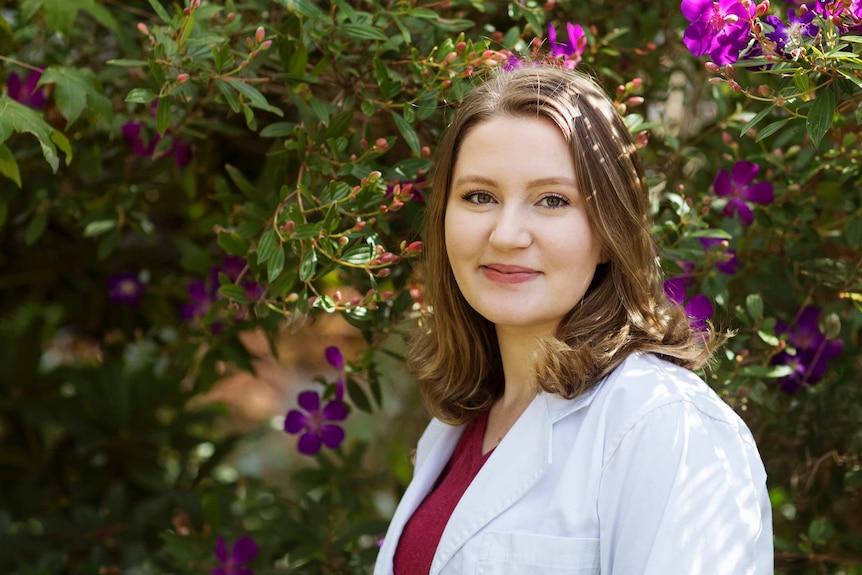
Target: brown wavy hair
{"points": [[454, 354]]}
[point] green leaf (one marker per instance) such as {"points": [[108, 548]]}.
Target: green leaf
{"points": [[9, 166], [141, 96], [234, 292], [308, 265], [275, 264], [163, 115], [754, 306], [71, 89], [771, 129], [230, 95], [278, 130], [160, 10], [357, 396], [756, 119], [363, 32], [233, 244], [820, 116], [246, 187], [712, 233], [99, 227], [127, 63], [186, 29], [255, 98], [59, 14], [35, 228], [267, 246], [16, 117], [306, 8], [407, 132]]}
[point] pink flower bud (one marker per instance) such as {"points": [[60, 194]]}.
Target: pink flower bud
{"points": [[182, 78], [385, 295], [381, 144], [635, 101], [230, 18], [142, 28], [383, 273], [266, 45], [395, 206], [343, 241], [762, 9], [413, 248], [259, 34], [459, 47], [712, 67], [728, 70]]}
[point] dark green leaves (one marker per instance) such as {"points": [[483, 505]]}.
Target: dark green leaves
{"points": [[820, 116]]}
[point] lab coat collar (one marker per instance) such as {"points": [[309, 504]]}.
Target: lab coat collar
{"points": [[517, 463]]}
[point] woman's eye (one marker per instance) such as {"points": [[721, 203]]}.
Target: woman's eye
{"points": [[554, 201], [479, 198]]}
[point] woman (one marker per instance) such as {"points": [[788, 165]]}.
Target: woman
{"points": [[570, 435]]}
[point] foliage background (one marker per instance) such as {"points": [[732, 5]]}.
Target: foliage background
{"points": [[191, 187]]}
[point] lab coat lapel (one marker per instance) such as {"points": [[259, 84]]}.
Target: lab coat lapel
{"points": [[514, 467], [442, 440]]}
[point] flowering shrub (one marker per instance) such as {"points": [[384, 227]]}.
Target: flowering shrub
{"points": [[175, 176]]}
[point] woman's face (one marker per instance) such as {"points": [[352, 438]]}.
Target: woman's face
{"points": [[519, 241]]}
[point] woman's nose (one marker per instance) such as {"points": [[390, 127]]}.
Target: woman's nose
{"points": [[511, 230]]}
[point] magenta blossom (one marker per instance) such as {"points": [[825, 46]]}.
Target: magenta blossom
{"points": [[242, 551], [317, 432], [336, 360], [737, 187], [570, 50], [512, 63], [204, 293], [812, 351], [788, 37], [125, 288], [28, 92], [727, 262], [718, 29], [698, 309], [180, 149]]}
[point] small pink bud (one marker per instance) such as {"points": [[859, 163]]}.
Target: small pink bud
{"points": [[635, 101], [363, 143], [337, 295], [712, 67], [395, 206], [642, 139], [266, 45], [359, 226], [459, 47], [381, 144], [230, 18], [414, 248], [636, 83], [249, 42], [196, 4], [728, 70], [182, 78], [425, 152], [383, 273], [142, 28], [259, 34], [762, 8], [343, 241], [187, 10], [385, 295]]}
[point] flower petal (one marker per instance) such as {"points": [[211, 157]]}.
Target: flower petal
{"points": [[721, 185], [245, 549], [695, 10], [309, 443], [743, 172], [335, 410], [221, 550], [674, 289], [699, 308], [309, 401], [746, 216], [332, 435], [759, 193], [334, 357], [295, 421]]}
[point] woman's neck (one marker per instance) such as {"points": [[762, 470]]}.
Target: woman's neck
{"points": [[518, 355]]}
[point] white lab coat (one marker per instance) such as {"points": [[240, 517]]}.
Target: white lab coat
{"points": [[649, 473]]}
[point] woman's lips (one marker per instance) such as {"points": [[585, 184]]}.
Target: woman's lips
{"points": [[506, 274]]}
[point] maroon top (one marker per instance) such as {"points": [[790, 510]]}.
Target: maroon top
{"points": [[422, 533]]}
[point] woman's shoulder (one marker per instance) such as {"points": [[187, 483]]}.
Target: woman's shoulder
{"points": [[644, 384]]}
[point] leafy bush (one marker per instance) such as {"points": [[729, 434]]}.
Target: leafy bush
{"points": [[172, 177]]}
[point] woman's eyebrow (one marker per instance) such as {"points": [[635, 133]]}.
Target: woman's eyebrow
{"points": [[486, 181]]}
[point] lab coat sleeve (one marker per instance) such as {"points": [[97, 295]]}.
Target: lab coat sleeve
{"points": [[683, 492]]}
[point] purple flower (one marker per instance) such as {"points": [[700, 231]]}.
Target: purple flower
{"points": [[180, 149], [26, 93], [737, 187], [698, 309], [242, 551], [812, 351], [719, 29], [204, 293], [125, 288], [572, 49], [314, 422], [727, 263], [513, 63], [788, 38], [336, 360]]}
